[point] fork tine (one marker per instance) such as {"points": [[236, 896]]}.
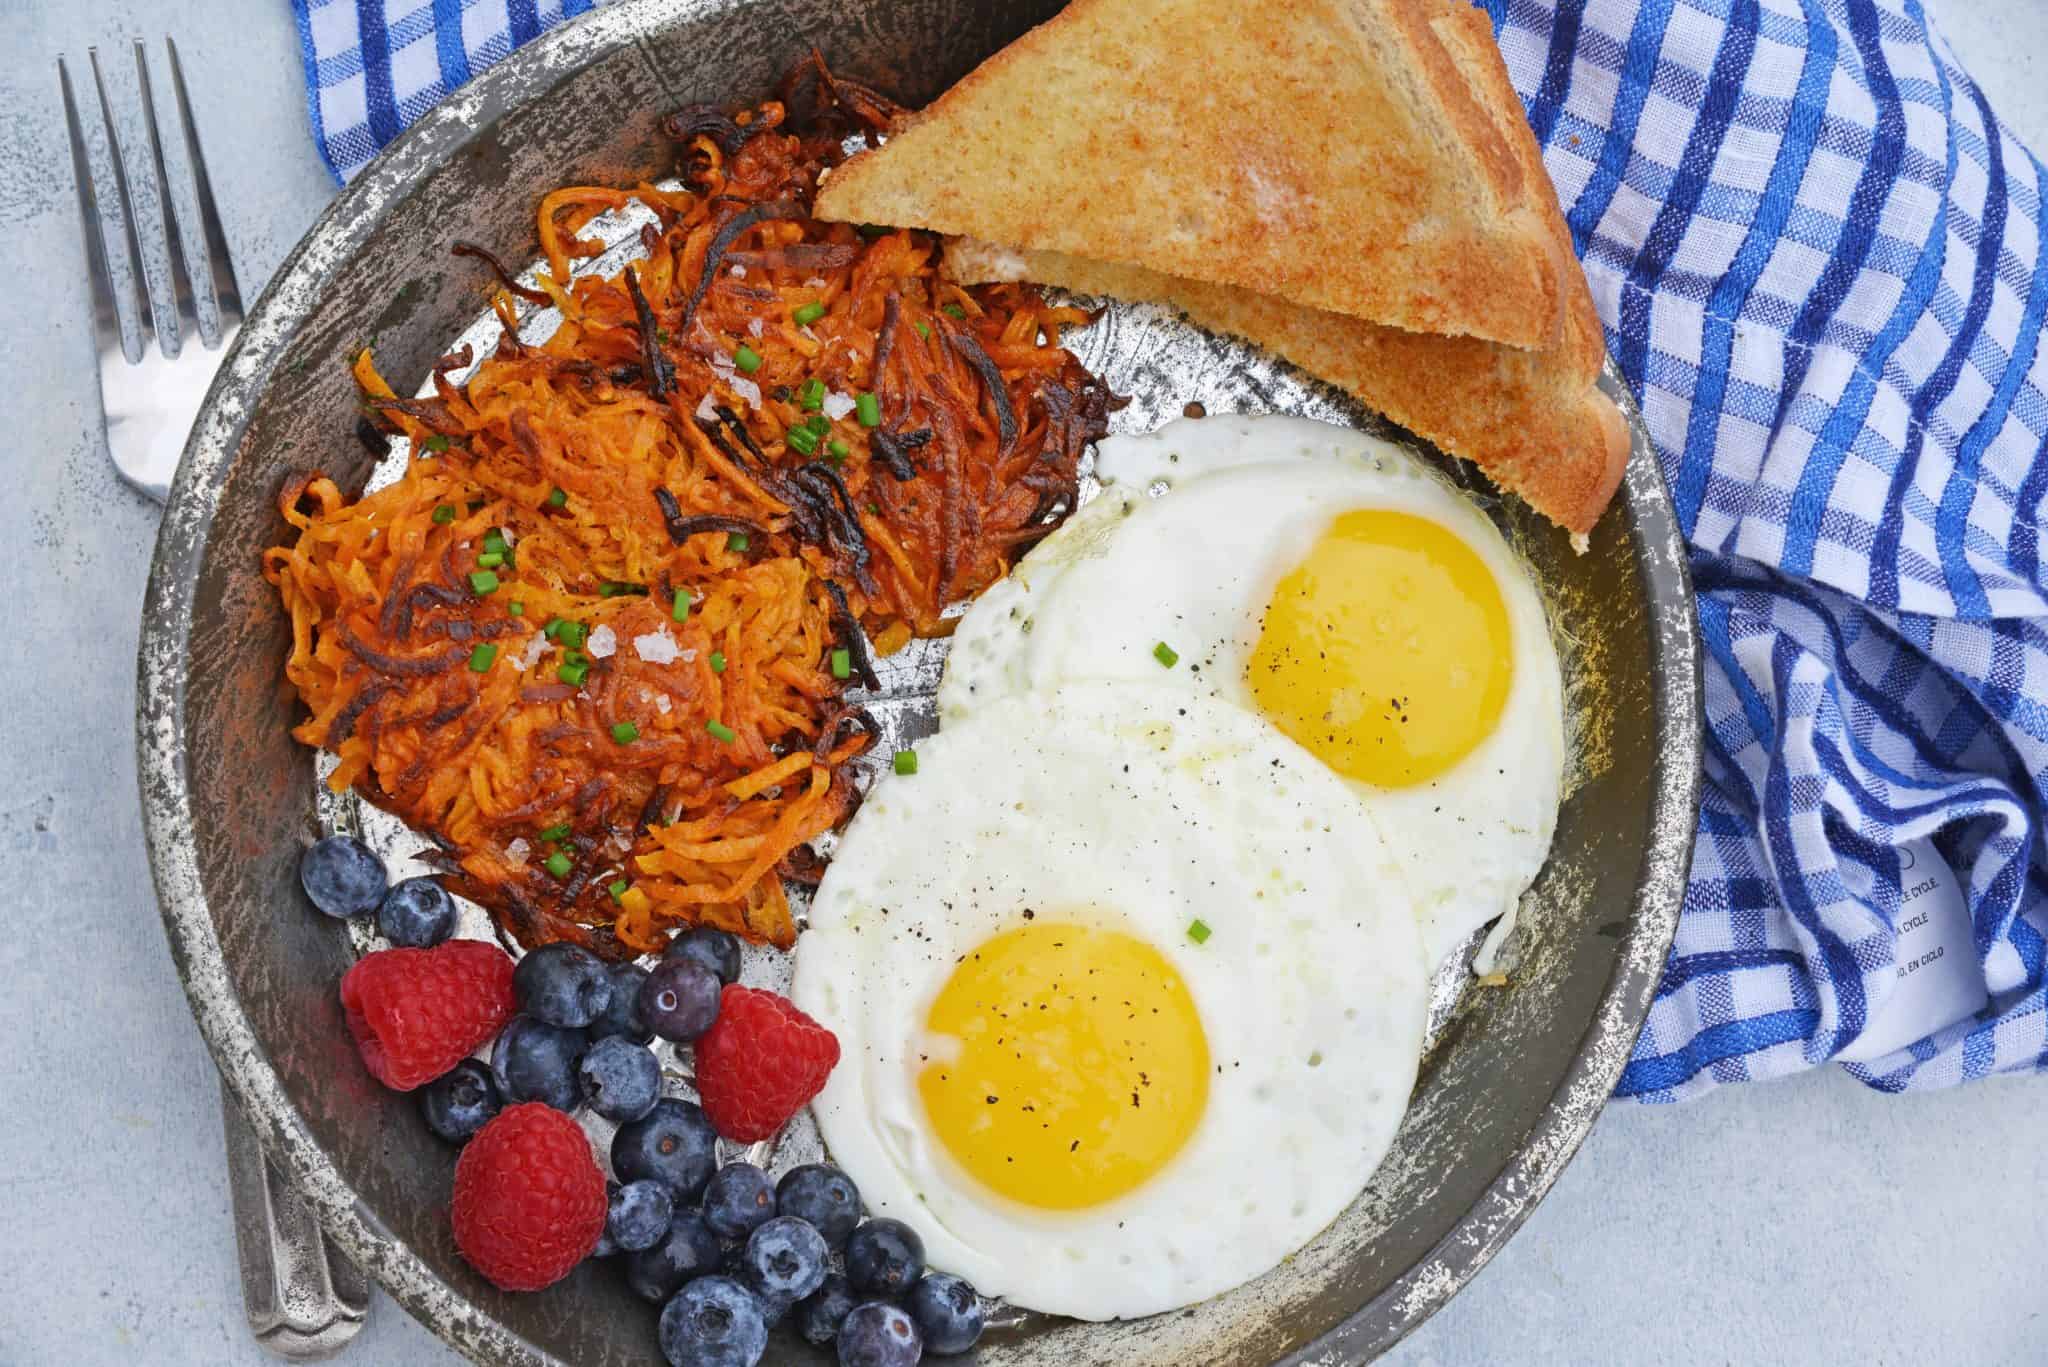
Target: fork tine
{"points": [[106, 314], [146, 321], [174, 243], [226, 293]]}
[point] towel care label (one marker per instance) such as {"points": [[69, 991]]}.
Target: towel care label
{"points": [[1940, 981]]}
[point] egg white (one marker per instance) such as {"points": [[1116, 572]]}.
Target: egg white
{"points": [[1196, 524], [1161, 807]]}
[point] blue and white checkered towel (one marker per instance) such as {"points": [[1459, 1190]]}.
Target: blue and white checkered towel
{"points": [[1823, 267]]}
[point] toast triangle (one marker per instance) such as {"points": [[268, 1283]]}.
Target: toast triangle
{"points": [[1365, 157]]}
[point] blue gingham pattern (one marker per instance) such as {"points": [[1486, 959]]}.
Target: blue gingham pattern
{"points": [[1823, 267], [373, 66]]}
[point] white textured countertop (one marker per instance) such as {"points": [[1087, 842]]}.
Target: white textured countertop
{"points": [[1808, 1221]]}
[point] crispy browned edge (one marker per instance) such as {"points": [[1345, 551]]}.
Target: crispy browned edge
{"points": [[1534, 422], [1519, 298]]}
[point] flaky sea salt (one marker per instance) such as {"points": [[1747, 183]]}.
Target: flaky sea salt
{"points": [[656, 647], [517, 851], [536, 646], [838, 405], [662, 704], [603, 643], [746, 389], [739, 272], [753, 327], [706, 412], [816, 282]]}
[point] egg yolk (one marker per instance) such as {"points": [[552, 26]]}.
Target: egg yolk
{"points": [[1080, 1067], [1386, 652]]}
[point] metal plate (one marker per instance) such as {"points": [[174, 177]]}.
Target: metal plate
{"points": [[1516, 1075]]}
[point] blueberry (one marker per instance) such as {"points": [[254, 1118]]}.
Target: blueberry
{"points": [[620, 1080], [714, 949], [947, 1311], [785, 1260], [562, 984], [535, 1061], [639, 1215], [457, 1103], [622, 1013], [688, 1251], [818, 1314], [739, 1200], [679, 1000], [877, 1334], [713, 1322], [884, 1258], [822, 1195], [417, 914], [343, 876], [673, 1143]]}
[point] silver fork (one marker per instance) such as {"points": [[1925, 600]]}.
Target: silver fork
{"points": [[304, 1299]]}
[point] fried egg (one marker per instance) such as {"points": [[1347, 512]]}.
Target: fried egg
{"points": [[1331, 585], [1129, 997]]}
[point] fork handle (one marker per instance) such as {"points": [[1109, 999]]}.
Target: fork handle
{"points": [[305, 1300]]}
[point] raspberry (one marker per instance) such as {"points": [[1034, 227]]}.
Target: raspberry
{"points": [[416, 1013], [529, 1198], [760, 1061]]}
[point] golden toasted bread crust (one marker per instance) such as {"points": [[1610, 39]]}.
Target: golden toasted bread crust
{"points": [[1535, 422], [1360, 156]]}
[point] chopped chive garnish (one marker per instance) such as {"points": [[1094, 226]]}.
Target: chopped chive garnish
{"points": [[625, 733], [820, 424], [494, 540], [924, 329], [483, 581], [718, 662], [572, 634], [842, 664], [1198, 931], [954, 311], [618, 888], [802, 440], [490, 560], [572, 674], [906, 761], [812, 395], [869, 410], [747, 359], [481, 659], [557, 498], [575, 657], [437, 443], [808, 314], [737, 541], [720, 731], [444, 513], [557, 832], [836, 449], [681, 611], [558, 864], [1166, 654], [516, 608]]}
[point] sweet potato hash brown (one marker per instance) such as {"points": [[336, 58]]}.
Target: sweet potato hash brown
{"points": [[595, 641]]}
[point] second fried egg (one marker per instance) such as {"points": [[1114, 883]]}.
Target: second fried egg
{"points": [[1130, 996]]}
